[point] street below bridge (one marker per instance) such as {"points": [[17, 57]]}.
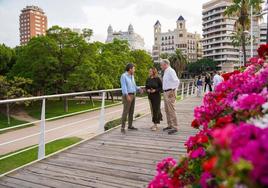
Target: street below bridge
{"points": [[84, 126]]}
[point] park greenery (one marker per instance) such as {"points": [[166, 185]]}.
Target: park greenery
{"points": [[64, 61], [25, 157], [202, 66]]}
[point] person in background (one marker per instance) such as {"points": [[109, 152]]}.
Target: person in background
{"points": [[217, 79], [199, 85], [153, 88], [207, 83], [170, 85], [129, 90]]}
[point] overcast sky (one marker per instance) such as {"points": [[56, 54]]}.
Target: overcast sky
{"points": [[98, 14]]}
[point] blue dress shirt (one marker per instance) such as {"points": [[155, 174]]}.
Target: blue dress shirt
{"points": [[128, 84]]}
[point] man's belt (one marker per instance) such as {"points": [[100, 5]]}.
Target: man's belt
{"points": [[169, 90]]}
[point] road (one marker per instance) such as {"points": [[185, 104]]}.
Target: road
{"points": [[83, 125]]}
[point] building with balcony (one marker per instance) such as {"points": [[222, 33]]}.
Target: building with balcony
{"points": [[179, 38], [33, 22], [217, 32], [263, 33], [135, 40]]}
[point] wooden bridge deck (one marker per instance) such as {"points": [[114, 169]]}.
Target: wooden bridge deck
{"points": [[110, 160]]}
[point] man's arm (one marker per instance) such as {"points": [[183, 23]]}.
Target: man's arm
{"points": [[138, 89], [175, 78], [123, 85]]}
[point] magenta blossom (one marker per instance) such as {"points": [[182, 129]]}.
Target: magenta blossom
{"points": [[199, 152], [161, 180], [249, 102], [222, 137], [204, 180], [166, 164]]}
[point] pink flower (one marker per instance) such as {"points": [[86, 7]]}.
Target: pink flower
{"points": [[204, 180], [166, 164], [222, 136], [161, 180], [249, 102], [198, 153]]}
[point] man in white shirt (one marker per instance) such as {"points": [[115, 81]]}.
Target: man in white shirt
{"points": [[217, 79], [170, 85]]}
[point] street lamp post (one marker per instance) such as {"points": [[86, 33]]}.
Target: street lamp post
{"points": [[251, 30], [266, 9]]}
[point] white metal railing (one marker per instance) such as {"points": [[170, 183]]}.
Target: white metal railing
{"points": [[187, 88]]}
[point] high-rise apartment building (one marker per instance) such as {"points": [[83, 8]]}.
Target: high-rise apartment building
{"points": [[179, 38], [33, 22], [217, 32], [263, 33]]}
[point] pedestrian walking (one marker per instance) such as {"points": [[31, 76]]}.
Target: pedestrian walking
{"points": [[170, 85], [199, 85], [129, 90], [153, 88], [208, 83], [217, 79]]}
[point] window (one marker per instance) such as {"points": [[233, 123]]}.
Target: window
{"points": [[180, 35]]}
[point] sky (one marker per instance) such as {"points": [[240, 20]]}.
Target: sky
{"points": [[99, 14]]}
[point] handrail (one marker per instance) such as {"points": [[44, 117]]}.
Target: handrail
{"points": [[186, 89], [56, 95], [65, 95]]}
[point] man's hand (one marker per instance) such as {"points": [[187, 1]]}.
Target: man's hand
{"points": [[141, 91], [148, 91], [128, 98], [153, 91]]}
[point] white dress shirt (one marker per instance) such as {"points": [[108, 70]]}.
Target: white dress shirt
{"points": [[170, 79], [217, 79]]}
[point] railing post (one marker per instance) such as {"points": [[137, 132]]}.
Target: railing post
{"points": [[102, 114], [182, 90], [42, 144], [188, 89], [192, 92]]}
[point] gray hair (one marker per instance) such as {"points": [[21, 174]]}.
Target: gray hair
{"points": [[165, 61]]}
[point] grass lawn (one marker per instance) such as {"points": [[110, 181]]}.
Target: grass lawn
{"points": [[25, 157], [55, 108], [13, 122]]}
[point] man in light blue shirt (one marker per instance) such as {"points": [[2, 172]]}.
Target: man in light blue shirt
{"points": [[129, 90]]}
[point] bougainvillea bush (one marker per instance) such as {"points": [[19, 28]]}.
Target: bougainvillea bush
{"points": [[231, 147]]}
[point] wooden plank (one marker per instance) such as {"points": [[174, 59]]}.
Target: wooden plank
{"points": [[17, 183], [109, 172], [43, 180], [92, 148], [120, 152], [110, 160], [107, 166], [95, 177], [69, 180]]}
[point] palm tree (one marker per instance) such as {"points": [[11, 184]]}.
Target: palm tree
{"points": [[241, 10], [236, 37], [178, 61]]}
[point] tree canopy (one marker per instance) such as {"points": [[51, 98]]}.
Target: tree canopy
{"points": [[65, 61], [202, 65]]}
